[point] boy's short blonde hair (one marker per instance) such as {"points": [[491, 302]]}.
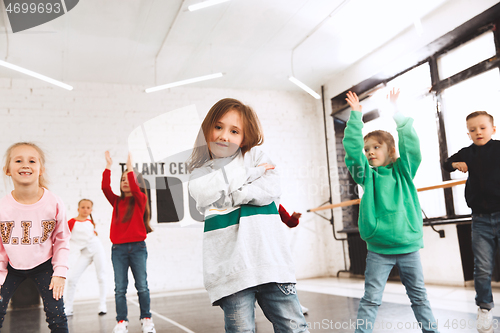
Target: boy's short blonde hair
{"points": [[480, 113]]}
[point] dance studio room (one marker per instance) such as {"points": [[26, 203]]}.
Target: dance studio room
{"points": [[144, 140]]}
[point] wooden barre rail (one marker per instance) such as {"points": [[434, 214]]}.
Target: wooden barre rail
{"points": [[446, 184]]}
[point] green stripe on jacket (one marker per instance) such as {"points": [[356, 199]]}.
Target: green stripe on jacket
{"points": [[221, 221]]}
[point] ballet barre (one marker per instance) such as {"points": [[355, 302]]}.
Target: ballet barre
{"points": [[445, 184]]}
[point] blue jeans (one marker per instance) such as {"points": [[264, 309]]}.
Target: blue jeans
{"points": [[278, 301], [485, 238], [378, 267], [133, 255], [42, 275]]}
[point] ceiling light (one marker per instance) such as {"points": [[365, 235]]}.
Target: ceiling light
{"points": [[183, 82], [35, 75], [304, 87], [205, 4]]}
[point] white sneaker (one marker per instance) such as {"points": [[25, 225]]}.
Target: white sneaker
{"points": [[304, 309], [484, 321], [121, 327], [147, 325]]}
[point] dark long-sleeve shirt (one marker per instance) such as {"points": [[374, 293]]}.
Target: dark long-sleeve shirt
{"points": [[482, 190]]}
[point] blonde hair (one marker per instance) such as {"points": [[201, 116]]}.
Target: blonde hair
{"points": [[42, 182], [480, 113], [91, 218], [252, 131]]}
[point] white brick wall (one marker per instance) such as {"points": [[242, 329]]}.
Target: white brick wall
{"points": [[75, 128]]}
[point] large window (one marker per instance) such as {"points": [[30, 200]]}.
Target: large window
{"points": [[415, 101], [466, 55], [439, 93], [479, 93]]}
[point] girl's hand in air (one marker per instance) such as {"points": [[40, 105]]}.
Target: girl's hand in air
{"points": [[393, 95], [109, 161], [129, 163], [353, 101]]}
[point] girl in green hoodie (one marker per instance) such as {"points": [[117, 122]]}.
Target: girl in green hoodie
{"points": [[390, 219]]}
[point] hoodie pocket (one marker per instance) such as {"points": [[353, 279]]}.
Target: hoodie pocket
{"points": [[394, 230]]}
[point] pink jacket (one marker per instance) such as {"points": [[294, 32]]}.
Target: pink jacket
{"points": [[32, 234]]}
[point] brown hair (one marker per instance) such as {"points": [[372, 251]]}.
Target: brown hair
{"points": [[130, 209], [91, 218], [383, 137], [480, 113], [42, 182], [252, 131]]}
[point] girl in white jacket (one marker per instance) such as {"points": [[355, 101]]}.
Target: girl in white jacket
{"points": [[246, 256], [86, 245]]}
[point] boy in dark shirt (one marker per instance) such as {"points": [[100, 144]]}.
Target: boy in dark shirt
{"points": [[482, 193]]}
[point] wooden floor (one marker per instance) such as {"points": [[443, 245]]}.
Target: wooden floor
{"points": [[332, 304]]}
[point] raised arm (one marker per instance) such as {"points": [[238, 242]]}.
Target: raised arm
{"points": [[353, 142], [135, 189], [133, 183], [106, 180], [409, 144], [109, 160]]}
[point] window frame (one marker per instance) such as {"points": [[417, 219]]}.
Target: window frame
{"points": [[486, 21]]}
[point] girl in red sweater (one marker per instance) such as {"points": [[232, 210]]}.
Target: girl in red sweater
{"points": [[129, 227]]}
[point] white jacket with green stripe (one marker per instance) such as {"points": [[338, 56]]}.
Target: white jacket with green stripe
{"points": [[245, 243]]}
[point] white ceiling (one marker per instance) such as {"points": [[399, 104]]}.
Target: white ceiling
{"points": [[152, 42]]}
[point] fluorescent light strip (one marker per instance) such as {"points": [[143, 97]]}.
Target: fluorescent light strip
{"points": [[304, 87], [205, 4], [35, 75], [183, 82]]}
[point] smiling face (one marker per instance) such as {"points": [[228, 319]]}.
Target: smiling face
{"points": [[85, 208], [378, 154], [24, 166], [480, 129], [227, 135]]}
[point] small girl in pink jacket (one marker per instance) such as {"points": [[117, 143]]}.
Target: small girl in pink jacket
{"points": [[35, 235]]}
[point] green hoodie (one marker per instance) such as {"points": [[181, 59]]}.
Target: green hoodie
{"points": [[390, 218]]}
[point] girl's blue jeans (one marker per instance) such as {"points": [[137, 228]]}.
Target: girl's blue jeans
{"points": [[378, 267], [42, 275], [278, 301], [133, 255], [485, 238]]}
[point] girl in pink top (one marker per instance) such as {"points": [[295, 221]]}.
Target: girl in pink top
{"points": [[34, 233]]}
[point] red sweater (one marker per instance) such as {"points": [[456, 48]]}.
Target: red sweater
{"points": [[290, 221], [132, 230]]}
